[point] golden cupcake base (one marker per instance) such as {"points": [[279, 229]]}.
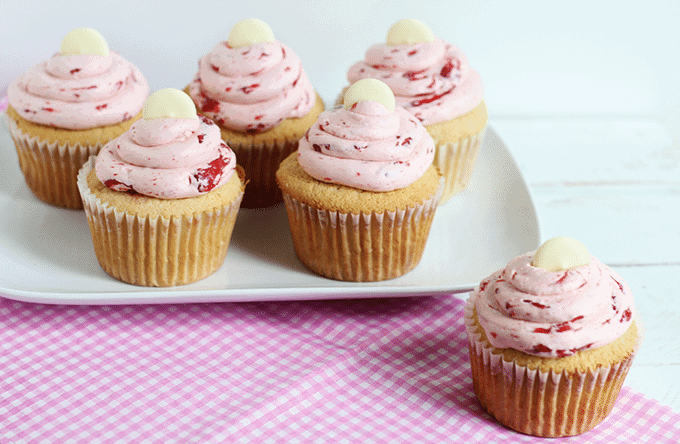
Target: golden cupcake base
{"points": [[155, 242], [50, 158], [548, 397]]}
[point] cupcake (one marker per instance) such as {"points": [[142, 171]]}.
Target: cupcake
{"points": [[551, 338], [361, 191], [63, 110], [256, 90], [161, 200], [432, 79]]}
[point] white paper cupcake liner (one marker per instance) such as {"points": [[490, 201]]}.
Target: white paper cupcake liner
{"points": [[360, 247], [539, 403], [456, 161], [260, 163], [51, 169], [157, 251]]}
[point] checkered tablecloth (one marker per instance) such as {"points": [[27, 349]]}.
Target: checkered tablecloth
{"points": [[352, 371]]}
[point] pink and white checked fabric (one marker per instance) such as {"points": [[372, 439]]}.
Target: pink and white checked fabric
{"points": [[353, 371]]}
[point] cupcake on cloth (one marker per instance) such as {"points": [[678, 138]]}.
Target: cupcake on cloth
{"points": [[361, 191], [432, 80], [161, 200], [63, 110], [551, 338], [256, 90]]}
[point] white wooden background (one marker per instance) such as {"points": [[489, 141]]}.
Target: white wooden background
{"points": [[586, 95]]}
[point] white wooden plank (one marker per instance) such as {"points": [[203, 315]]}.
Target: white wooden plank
{"points": [[657, 382], [613, 184], [578, 153], [620, 225], [657, 302]]}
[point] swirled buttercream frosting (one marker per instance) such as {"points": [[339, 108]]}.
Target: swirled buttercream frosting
{"points": [[366, 147], [79, 91], [167, 158], [253, 88], [553, 313], [431, 80]]}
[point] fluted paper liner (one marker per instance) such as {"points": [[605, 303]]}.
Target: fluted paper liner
{"points": [[546, 404], [260, 163], [157, 251], [456, 162], [360, 247], [51, 169]]}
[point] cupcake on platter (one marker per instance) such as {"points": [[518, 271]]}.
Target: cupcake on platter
{"points": [[551, 336], [361, 190], [161, 200], [257, 91], [433, 80], [63, 110]]}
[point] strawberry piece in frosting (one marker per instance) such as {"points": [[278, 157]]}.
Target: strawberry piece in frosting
{"points": [[366, 147], [252, 89], [79, 91], [167, 158], [431, 80], [553, 313]]}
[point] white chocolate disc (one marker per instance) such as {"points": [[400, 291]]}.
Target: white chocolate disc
{"points": [[369, 89], [169, 102], [84, 41], [561, 253], [250, 31], [407, 32]]}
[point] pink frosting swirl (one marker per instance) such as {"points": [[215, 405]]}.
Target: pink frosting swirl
{"points": [[168, 158], [79, 91], [252, 89], [366, 147], [553, 314], [432, 80]]}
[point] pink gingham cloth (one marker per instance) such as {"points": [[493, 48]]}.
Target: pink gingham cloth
{"points": [[367, 371]]}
